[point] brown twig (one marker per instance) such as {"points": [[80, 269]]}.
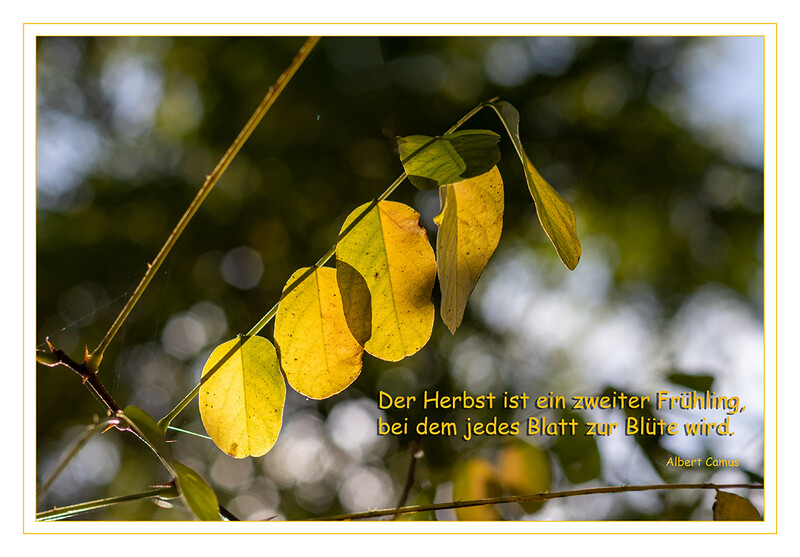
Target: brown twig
{"points": [[89, 378], [534, 497], [413, 450]]}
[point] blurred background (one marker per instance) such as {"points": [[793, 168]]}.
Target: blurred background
{"points": [[656, 141]]}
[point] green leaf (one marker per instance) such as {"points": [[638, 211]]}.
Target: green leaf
{"points": [[729, 506], [577, 454], [49, 359], [555, 214], [524, 470], [470, 225], [431, 162], [241, 404], [148, 429], [650, 444], [198, 497], [697, 382], [318, 352], [476, 479], [389, 252]]}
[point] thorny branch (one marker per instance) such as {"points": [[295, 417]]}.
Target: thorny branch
{"points": [[59, 357], [534, 497]]}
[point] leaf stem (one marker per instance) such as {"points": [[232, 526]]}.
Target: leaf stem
{"points": [[211, 180], [166, 420], [60, 513], [534, 497]]}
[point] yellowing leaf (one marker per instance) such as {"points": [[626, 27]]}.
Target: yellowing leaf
{"points": [[431, 162], [198, 497], [389, 251], [555, 214], [241, 404], [475, 479], [525, 470], [729, 506], [469, 230], [319, 354]]}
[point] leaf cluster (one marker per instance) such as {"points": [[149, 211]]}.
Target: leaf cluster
{"points": [[378, 298]]}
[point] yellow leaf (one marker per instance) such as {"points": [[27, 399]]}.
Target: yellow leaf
{"points": [[319, 354], [525, 470], [729, 506], [469, 230], [555, 214], [475, 479], [241, 404], [389, 251]]}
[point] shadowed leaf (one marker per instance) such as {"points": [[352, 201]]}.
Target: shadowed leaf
{"points": [[555, 214], [356, 301], [697, 382], [199, 498], [577, 454], [390, 253], [476, 479], [470, 225], [523, 470], [317, 350], [431, 162], [729, 506]]}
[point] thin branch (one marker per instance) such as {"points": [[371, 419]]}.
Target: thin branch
{"points": [[211, 180], [534, 497], [90, 432], [413, 454], [60, 513], [88, 377], [227, 515]]}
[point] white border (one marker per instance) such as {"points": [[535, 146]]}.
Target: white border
{"points": [[770, 175]]}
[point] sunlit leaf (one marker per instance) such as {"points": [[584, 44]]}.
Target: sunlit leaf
{"points": [[577, 454], [148, 429], [475, 479], [198, 497], [319, 354], [729, 506], [555, 214], [524, 470], [388, 252], [241, 404], [469, 230], [431, 162]]}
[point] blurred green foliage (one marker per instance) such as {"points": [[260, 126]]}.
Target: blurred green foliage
{"points": [[128, 127]]}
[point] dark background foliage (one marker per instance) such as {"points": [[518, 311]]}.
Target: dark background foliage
{"points": [[667, 188]]}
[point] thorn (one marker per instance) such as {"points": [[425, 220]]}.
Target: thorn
{"points": [[85, 353], [50, 344]]}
